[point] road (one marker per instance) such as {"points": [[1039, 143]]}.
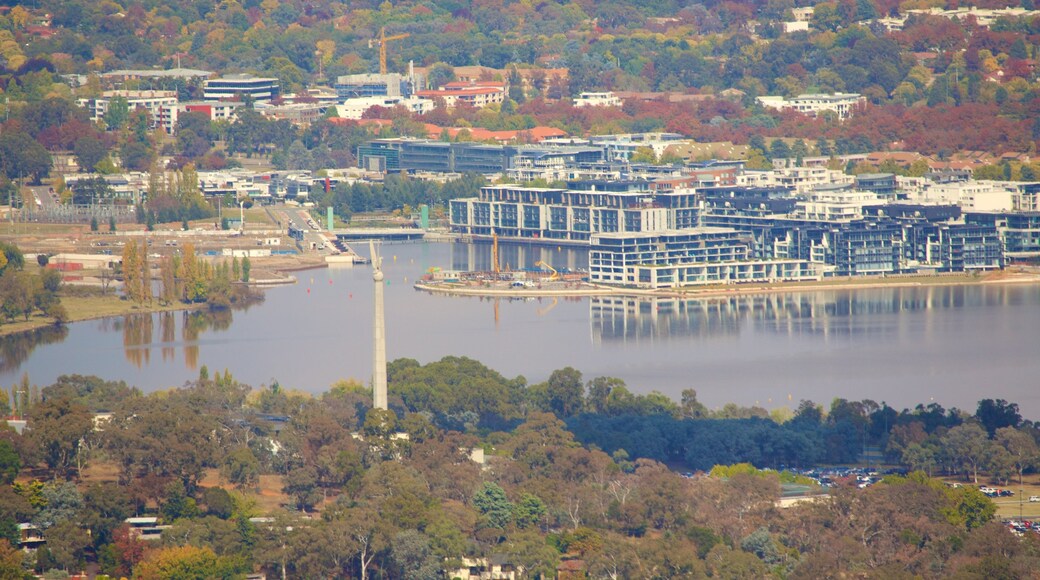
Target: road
{"points": [[313, 238]]}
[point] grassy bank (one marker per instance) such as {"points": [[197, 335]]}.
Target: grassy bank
{"points": [[88, 307]]}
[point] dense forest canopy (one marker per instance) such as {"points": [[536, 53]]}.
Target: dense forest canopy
{"points": [[578, 474]]}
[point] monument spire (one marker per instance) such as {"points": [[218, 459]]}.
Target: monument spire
{"points": [[378, 334]]}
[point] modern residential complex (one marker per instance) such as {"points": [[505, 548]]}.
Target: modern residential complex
{"points": [[157, 103], [474, 93], [647, 237], [604, 99], [841, 104]]}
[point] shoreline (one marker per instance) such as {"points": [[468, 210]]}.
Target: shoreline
{"points": [[845, 284]]}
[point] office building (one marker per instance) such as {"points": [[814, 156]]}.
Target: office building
{"points": [[240, 88]]}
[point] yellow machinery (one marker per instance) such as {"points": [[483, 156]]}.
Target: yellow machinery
{"points": [[553, 274], [383, 39]]}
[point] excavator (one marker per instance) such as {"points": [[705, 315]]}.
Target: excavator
{"points": [[553, 274]]}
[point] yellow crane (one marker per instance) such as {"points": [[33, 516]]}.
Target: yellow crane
{"points": [[553, 274], [383, 39]]}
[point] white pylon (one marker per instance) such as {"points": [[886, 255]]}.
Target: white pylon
{"points": [[378, 334]]}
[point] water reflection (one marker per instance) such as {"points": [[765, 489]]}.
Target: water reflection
{"points": [[824, 314], [138, 337], [15, 349], [168, 329]]}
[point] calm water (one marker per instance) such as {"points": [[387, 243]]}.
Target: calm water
{"points": [[904, 346]]}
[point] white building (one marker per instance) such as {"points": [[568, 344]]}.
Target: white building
{"points": [[1026, 196], [621, 147], [837, 205], [806, 179], [238, 87], [813, 104], [155, 102], [970, 195], [476, 94], [356, 108], [690, 257], [605, 99]]}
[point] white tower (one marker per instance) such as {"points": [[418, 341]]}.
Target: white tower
{"points": [[378, 334]]}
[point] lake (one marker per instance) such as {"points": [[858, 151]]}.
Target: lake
{"points": [[951, 345]]}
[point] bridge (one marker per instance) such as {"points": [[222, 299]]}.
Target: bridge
{"points": [[387, 234]]}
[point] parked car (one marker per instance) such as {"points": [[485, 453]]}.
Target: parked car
{"points": [[1034, 498]]}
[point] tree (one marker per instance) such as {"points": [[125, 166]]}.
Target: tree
{"points": [[21, 156], [242, 468], [995, 414], [411, 554], [58, 427], [302, 485], [565, 392], [1021, 447], [133, 281], [10, 463], [11, 563], [968, 445], [778, 149], [529, 550], [246, 268], [118, 113], [105, 506], [186, 563], [66, 542], [89, 151], [61, 503], [973, 507], [491, 501], [528, 511]]}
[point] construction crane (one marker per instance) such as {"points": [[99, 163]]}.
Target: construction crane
{"points": [[383, 39], [553, 274]]}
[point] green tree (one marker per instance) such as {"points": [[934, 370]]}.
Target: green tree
{"points": [[301, 484], [247, 267], [22, 157], [968, 446], [62, 502], [241, 468], [562, 394], [58, 427], [118, 113], [10, 463], [67, 542], [528, 511], [412, 556], [973, 508], [89, 151], [491, 501], [187, 563], [1021, 447]]}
